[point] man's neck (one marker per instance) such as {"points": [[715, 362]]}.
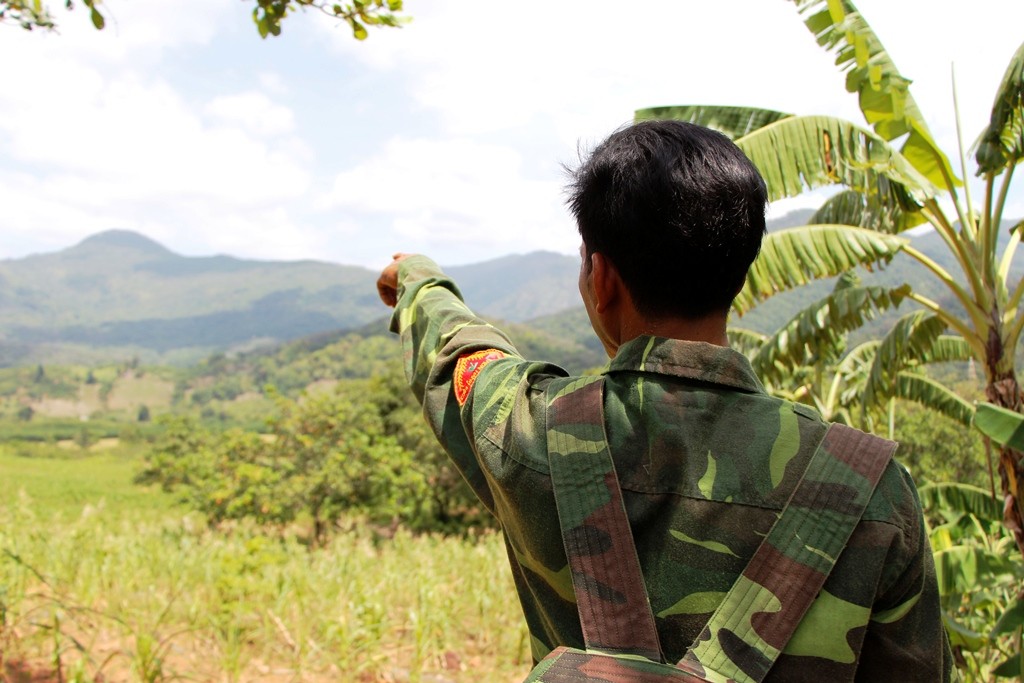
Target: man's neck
{"points": [[709, 329]]}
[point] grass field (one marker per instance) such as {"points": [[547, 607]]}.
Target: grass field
{"points": [[104, 580]]}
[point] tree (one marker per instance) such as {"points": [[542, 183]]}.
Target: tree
{"points": [[358, 14], [894, 175], [267, 14], [807, 359], [357, 452]]}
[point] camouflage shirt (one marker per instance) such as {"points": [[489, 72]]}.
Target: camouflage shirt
{"points": [[706, 460]]}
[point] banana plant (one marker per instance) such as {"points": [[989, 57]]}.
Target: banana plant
{"points": [[978, 571], [1001, 425], [806, 359], [895, 177]]}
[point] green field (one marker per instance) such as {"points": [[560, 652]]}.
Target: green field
{"points": [[101, 579]]}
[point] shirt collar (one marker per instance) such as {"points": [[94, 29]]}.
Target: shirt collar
{"points": [[690, 360]]}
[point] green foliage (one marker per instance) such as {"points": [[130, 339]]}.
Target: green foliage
{"points": [[808, 360], [565, 339], [1001, 425], [28, 14], [795, 257], [268, 14], [979, 570], [358, 14], [38, 382], [883, 93], [83, 439], [64, 483], [937, 449], [817, 333], [56, 430], [1002, 142], [451, 504], [799, 153], [361, 449]]}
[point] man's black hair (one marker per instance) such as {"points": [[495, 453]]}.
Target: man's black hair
{"points": [[679, 211]]}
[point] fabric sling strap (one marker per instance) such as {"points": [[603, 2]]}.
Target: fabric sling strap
{"points": [[779, 583]]}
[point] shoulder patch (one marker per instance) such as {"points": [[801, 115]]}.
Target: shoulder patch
{"points": [[467, 368]]}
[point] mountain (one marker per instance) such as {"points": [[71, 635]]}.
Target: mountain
{"points": [[120, 294], [519, 288]]}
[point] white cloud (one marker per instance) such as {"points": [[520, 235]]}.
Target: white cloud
{"points": [[456, 193], [176, 120], [138, 141], [252, 111], [273, 83], [265, 233], [586, 67], [87, 147]]}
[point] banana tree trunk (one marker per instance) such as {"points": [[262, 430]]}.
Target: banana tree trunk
{"points": [[1004, 391]]}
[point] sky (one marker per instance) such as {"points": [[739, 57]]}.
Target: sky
{"points": [[448, 136]]}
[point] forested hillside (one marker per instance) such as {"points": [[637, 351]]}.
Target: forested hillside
{"points": [[118, 294]]}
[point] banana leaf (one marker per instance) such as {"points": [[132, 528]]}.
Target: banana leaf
{"points": [[883, 92], [733, 122], [745, 341], [794, 257], [1002, 142], [801, 153], [962, 498], [961, 569], [925, 391], [816, 330], [867, 210], [1000, 424], [909, 339]]}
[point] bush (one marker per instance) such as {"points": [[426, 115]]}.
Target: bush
{"points": [[362, 449], [935, 448]]}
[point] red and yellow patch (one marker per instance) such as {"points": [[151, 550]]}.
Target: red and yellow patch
{"points": [[468, 367]]}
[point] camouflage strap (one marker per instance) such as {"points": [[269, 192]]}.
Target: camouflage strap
{"points": [[615, 611], [755, 620], [752, 625]]}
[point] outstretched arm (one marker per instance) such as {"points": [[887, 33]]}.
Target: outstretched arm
{"points": [[461, 368]]}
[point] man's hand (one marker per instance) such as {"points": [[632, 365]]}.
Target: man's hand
{"points": [[387, 283]]}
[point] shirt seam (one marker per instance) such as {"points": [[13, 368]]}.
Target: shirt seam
{"points": [[653, 369]]}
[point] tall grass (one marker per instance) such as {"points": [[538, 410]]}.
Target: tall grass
{"points": [[99, 578]]}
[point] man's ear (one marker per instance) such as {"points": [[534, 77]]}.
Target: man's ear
{"points": [[608, 286]]}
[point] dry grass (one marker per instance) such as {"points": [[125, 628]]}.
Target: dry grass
{"points": [[103, 581]]}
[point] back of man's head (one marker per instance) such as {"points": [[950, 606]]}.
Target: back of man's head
{"points": [[678, 209]]}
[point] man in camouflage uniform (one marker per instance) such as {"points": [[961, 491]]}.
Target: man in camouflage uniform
{"points": [[671, 216]]}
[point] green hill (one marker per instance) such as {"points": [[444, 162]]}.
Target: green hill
{"points": [[118, 294]]}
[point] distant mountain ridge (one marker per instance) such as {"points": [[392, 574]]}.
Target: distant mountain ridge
{"points": [[120, 292]]}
